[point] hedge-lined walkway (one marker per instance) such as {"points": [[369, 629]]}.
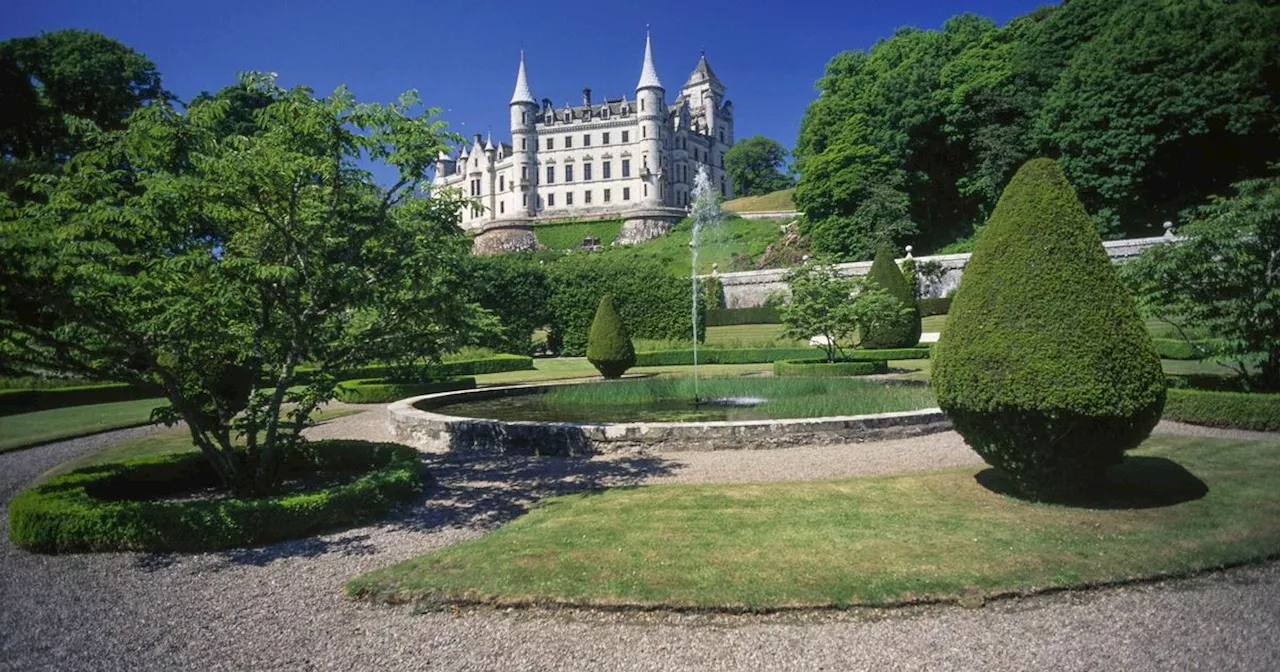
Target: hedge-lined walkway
{"points": [[279, 607]]}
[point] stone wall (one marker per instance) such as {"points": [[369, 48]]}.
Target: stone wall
{"points": [[505, 237]]}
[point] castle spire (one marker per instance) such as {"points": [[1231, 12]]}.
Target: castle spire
{"points": [[522, 93], [649, 74]]}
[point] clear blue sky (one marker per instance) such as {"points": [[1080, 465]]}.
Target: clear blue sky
{"points": [[461, 56]]}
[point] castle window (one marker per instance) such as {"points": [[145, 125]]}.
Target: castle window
{"points": [[644, 131], [524, 173], [626, 169], [502, 207], [586, 196], [626, 193], [568, 142], [722, 191], [502, 183], [607, 193], [642, 104], [568, 173], [524, 200], [551, 143], [586, 139], [551, 200], [524, 143], [524, 117], [722, 135], [722, 160], [568, 198], [626, 137], [551, 174], [605, 138], [608, 171], [586, 172], [646, 190]]}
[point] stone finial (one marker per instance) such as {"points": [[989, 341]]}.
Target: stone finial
{"points": [[908, 251], [715, 268], [1168, 229]]}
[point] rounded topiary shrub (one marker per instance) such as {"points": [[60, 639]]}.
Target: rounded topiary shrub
{"points": [[173, 502], [1044, 365], [904, 332], [609, 346]]}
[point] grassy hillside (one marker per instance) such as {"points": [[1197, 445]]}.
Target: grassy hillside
{"points": [[568, 235], [771, 202], [734, 237]]}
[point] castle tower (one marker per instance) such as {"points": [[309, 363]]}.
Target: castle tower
{"points": [[651, 115], [714, 114], [524, 147]]}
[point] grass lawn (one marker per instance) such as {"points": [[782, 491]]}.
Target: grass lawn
{"points": [[25, 429], [748, 335], [880, 540], [568, 235], [777, 201]]}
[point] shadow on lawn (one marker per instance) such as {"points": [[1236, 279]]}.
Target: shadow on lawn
{"points": [[1137, 483], [474, 493]]}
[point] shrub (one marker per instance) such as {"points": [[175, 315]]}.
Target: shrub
{"points": [[821, 368], [1044, 366], [482, 365], [609, 347], [26, 401], [652, 302], [383, 391], [1238, 410], [514, 287], [929, 307], [723, 317], [121, 506], [904, 331]]}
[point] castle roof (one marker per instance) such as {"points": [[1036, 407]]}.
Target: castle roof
{"points": [[648, 74], [522, 93], [702, 73]]}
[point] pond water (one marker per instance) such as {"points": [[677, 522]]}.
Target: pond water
{"points": [[539, 407]]}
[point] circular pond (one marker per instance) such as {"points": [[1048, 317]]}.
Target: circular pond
{"points": [[660, 414]]}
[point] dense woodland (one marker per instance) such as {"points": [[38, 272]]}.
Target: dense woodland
{"points": [[1150, 107]]}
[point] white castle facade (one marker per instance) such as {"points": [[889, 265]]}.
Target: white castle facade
{"points": [[628, 159]]}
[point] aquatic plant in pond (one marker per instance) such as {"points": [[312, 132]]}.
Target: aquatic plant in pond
{"points": [[668, 400]]}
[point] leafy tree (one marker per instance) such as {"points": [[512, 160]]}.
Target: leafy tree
{"points": [[216, 267], [757, 166], [515, 288], [903, 332], [609, 346], [66, 73], [1224, 277], [835, 307], [1044, 366]]}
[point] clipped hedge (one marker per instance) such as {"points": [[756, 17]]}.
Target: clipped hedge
{"points": [[903, 331], [514, 287], [609, 346], [383, 391], [684, 357], [13, 402], [724, 317], [483, 365], [121, 506], [934, 306], [1177, 348], [1238, 410], [821, 368]]}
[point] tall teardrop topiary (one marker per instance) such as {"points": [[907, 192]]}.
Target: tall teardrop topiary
{"points": [[609, 346], [904, 332], [1044, 365]]}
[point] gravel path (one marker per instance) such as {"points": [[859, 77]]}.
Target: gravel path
{"points": [[279, 607]]}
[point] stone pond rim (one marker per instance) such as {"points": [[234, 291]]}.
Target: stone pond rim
{"points": [[437, 433]]}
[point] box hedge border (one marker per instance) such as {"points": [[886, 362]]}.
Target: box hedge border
{"points": [[724, 317], [81, 512], [934, 306], [1237, 410], [821, 368], [383, 391], [13, 402], [684, 357]]}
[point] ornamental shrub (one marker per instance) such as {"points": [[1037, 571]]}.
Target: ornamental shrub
{"points": [[609, 347], [1044, 366], [903, 332]]}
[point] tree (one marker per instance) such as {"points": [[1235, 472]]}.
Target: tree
{"points": [[216, 267], [757, 166], [837, 308], [66, 73], [1044, 366], [1224, 277], [609, 346], [903, 332], [515, 288]]}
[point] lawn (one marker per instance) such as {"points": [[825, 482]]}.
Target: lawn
{"points": [[25, 429], [777, 201], [873, 541], [568, 235]]}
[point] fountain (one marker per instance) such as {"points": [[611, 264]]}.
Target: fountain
{"points": [[706, 214]]}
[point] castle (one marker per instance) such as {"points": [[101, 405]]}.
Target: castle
{"points": [[633, 160]]}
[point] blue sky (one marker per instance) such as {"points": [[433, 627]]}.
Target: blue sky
{"points": [[461, 56]]}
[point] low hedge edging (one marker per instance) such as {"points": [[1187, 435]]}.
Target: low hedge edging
{"points": [[99, 509], [1237, 410], [1177, 348], [822, 368], [383, 391], [723, 317], [13, 402], [887, 354], [767, 355], [461, 367]]}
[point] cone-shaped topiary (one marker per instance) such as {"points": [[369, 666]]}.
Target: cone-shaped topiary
{"points": [[609, 347], [902, 333], [1044, 365]]}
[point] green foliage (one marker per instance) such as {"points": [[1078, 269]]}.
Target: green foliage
{"points": [[652, 302], [904, 331], [515, 289], [569, 235], [929, 307], [216, 266], [1238, 410], [822, 368], [26, 401], [684, 357], [383, 391], [132, 505], [609, 346], [1181, 349], [1044, 365], [835, 307], [1223, 278], [757, 166], [721, 317]]}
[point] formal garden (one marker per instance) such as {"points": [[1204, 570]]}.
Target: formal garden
{"points": [[232, 270]]}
